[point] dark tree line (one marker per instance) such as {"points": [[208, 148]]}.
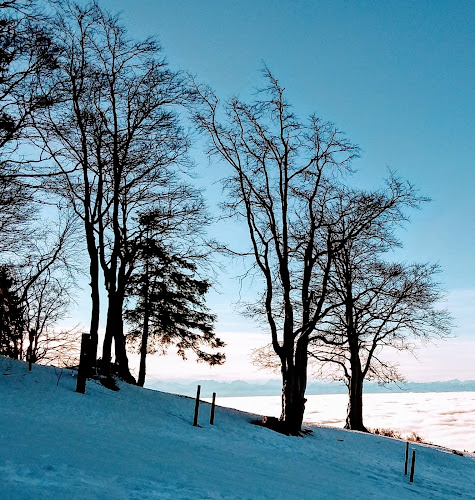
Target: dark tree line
{"points": [[12, 322]]}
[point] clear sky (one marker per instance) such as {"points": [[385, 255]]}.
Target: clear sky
{"points": [[397, 77]]}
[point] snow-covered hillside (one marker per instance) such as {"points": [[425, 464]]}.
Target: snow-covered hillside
{"points": [[140, 444]]}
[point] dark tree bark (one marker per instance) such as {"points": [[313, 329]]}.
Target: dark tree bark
{"points": [[354, 416], [146, 322], [94, 281], [294, 385], [143, 346], [95, 314], [115, 332]]}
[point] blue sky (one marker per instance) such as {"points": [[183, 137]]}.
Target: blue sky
{"points": [[397, 77]]}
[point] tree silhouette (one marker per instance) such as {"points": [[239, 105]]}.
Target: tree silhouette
{"points": [[169, 306], [27, 55], [282, 186], [286, 185], [384, 306], [12, 319], [116, 139]]}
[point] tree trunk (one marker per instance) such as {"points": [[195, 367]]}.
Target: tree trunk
{"points": [[143, 350], [293, 405], [121, 356], [115, 331], [294, 384], [354, 417], [143, 346], [120, 347], [111, 327], [108, 337], [94, 328], [94, 284]]}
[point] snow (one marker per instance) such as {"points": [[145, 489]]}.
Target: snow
{"points": [[443, 418], [140, 444]]}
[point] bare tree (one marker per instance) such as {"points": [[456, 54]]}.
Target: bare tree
{"points": [[26, 55], [59, 348], [117, 141], [46, 276], [383, 306], [46, 302], [37, 286], [287, 187], [284, 187]]}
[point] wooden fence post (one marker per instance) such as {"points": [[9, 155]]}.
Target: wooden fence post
{"points": [[413, 465], [197, 407], [406, 459], [83, 369], [213, 405], [29, 352]]}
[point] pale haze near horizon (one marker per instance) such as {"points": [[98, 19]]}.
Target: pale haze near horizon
{"points": [[397, 78]]}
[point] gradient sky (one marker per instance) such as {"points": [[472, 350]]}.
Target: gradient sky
{"points": [[397, 77]]}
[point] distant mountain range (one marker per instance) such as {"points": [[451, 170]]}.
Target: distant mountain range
{"points": [[273, 387]]}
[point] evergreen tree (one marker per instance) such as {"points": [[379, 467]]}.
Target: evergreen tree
{"points": [[169, 307]]}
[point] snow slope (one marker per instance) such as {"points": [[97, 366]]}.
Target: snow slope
{"points": [[140, 444]]}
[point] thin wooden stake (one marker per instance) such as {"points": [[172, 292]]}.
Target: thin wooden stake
{"points": [[213, 405], [413, 466], [83, 369], [407, 458], [197, 406]]}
